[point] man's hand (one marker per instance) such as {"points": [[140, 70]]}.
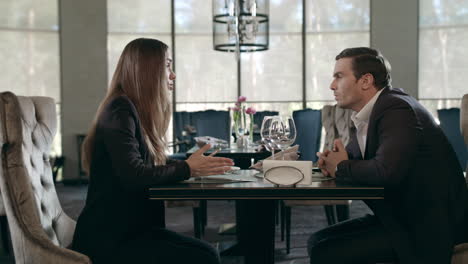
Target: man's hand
{"points": [[321, 161], [329, 159], [201, 165]]}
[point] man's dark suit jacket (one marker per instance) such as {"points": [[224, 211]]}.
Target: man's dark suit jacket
{"points": [[426, 199], [117, 207]]}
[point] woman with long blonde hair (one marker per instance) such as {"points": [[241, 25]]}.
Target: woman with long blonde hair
{"points": [[124, 153]]}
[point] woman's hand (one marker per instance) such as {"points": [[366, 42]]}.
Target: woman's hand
{"points": [[201, 165]]}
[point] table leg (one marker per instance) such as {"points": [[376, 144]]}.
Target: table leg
{"points": [[256, 230]]}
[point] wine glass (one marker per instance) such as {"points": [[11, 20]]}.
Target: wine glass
{"points": [[283, 132], [265, 134]]}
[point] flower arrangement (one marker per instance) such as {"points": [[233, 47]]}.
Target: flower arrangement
{"points": [[240, 119]]}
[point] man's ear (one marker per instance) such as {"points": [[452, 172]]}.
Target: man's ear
{"points": [[367, 81]]}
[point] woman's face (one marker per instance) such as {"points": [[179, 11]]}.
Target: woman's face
{"points": [[169, 72]]}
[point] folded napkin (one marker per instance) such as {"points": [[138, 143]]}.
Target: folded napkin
{"points": [[289, 154], [201, 141], [288, 172]]}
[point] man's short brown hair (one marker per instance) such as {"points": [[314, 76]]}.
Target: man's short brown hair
{"points": [[368, 60]]}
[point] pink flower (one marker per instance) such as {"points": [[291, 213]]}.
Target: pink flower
{"points": [[241, 99], [235, 109], [238, 104], [250, 111]]}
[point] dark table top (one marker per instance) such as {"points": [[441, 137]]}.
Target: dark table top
{"points": [[242, 156], [258, 188], [233, 149]]}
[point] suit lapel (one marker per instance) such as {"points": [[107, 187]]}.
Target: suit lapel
{"points": [[353, 146], [370, 150]]}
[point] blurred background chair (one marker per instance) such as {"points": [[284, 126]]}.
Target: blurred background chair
{"points": [[40, 231], [309, 130], [212, 123], [187, 125], [258, 119], [460, 252], [450, 124], [184, 133], [337, 124]]}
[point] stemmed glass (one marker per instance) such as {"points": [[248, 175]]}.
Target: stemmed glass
{"points": [[283, 132], [265, 134]]}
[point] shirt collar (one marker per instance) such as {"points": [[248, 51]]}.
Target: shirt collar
{"points": [[364, 115]]}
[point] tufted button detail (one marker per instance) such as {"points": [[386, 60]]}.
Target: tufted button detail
{"points": [[32, 162], [43, 183], [43, 208], [45, 157]]}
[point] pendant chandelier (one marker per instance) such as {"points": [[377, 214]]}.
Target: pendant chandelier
{"points": [[240, 25]]}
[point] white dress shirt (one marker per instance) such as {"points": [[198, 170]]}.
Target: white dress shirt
{"points": [[361, 122]]}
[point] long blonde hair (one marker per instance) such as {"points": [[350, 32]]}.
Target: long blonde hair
{"points": [[141, 76]]}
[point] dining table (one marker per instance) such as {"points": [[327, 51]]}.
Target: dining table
{"points": [[242, 156], [257, 199]]}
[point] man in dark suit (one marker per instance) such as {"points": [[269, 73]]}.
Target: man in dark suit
{"points": [[398, 145]]}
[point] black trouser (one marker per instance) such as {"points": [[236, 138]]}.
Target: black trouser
{"points": [[164, 246], [360, 240]]}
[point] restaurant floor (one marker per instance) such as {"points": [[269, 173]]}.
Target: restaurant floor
{"points": [[304, 221]]}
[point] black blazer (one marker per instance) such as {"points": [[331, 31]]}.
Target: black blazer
{"points": [[117, 205], [426, 199]]}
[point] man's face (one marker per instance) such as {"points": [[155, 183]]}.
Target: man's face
{"points": [[346, 89]]}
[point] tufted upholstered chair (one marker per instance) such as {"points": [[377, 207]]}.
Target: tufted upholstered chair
{"points": [[337, 124], [460, 252], [40, 230]]}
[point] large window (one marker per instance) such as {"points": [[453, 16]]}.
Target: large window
{"points": [[331, 26], [29, 51], [206, 79], [131, 19], [443, 30], [272, 79]]}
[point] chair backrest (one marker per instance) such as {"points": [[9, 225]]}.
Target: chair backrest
{"points": [[212, 123], [309, 130], [39, 228], [464, 122], [337, 124], [181, 121], [258, 117], [450, 124]]}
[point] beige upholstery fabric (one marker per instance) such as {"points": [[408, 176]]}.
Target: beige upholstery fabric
{"points": [[39, 228], [460, 253], [337, 124]]}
